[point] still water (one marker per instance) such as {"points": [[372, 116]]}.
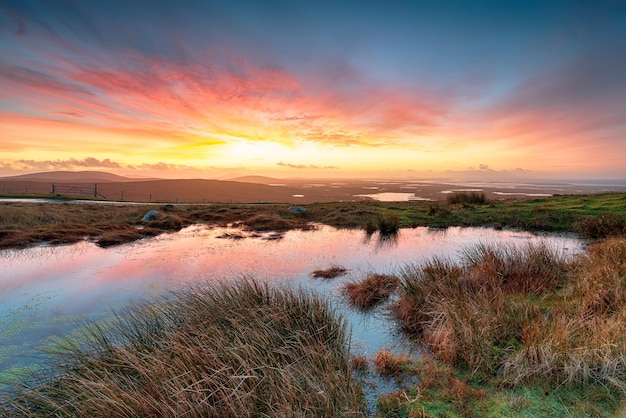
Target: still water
{"points": [[49, 291]]}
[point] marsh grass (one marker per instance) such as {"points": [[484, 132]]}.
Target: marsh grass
{"points": [[443, 391], [359, 364], [23, 224], [601, 226], [388, 364], [524, 315], [239, 350], [329, 273], [385, 223], [472, 198], [371, 291], [583, 339]]}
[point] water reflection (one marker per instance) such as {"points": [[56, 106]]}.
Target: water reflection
{"points": [[382, 242], [46, 291]]}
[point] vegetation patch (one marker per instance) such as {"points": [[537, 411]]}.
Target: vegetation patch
{"points": [[385, 223], [371, 291], [601, 226], [389, 364], [24, 223], [472, 198], [237, 350], [444, 391], [329, 273], [511, 320]]}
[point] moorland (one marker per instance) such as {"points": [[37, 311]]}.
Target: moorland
{"points": [[504, 332]]}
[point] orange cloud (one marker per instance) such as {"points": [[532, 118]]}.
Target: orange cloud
{"points": [[205, 100]]}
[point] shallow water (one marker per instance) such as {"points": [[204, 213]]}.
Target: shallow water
{"points": [[50, 291]]}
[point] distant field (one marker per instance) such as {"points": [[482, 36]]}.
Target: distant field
{"points": [[25, 223], [258, 189]]}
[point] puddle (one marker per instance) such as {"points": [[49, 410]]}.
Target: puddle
{"points": [[392, 196], [48, 291]]}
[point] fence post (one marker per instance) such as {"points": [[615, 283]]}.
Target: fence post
{"points": [[122, 195], [95, 190], [150, 197]]}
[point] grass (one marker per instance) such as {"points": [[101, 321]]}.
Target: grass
{"points": [[443, 391], [388, 364], [235, 350], [472, 198], [371, 291], [511, 320], [329, 273], [385, 223], [601, 226], [512, 332], [24, 224]]}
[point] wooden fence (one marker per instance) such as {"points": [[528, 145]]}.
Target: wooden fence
{"points": [[76, 191]]}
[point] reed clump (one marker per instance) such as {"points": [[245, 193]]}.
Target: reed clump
{"points": [[329, 273], [239, 350], [371, 291], [523, 314], [601, 226], [583, 339], [472, 198], [389, 364], [385, 223]]}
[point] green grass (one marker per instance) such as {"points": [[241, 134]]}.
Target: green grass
{"points": [[447, 392], [472, 198], [235, 350], [22, 224]]}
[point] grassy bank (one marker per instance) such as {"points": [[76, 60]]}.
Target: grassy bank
{"points": [[244, 350], [510, 332], [22, 224], [516, 333]]}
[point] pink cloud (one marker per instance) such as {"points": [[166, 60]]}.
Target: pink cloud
{"points": [[234, 97]]}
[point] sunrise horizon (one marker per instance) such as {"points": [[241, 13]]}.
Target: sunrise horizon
{"points": [[413, 90]]}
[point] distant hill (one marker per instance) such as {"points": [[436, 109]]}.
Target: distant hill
{"points": [[71, 177], [258, 180]]}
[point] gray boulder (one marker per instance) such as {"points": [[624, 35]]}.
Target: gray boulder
{"points": [[297, 209], [150, 215]]}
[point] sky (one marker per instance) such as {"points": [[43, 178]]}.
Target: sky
{"points": [[342, 89]]}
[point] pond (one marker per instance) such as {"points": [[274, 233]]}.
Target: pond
{"points": [[49, 291]]}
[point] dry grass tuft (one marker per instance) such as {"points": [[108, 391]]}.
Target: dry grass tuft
{"points": [[237, 350], [372, 290], [388, 364], [472, 198], [329, 273], [523, 314], [385, 223], [359, 364], [601, 226]]}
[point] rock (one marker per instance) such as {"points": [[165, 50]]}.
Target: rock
{"points": [[297, 209], [151, 215], [168, 207]]}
